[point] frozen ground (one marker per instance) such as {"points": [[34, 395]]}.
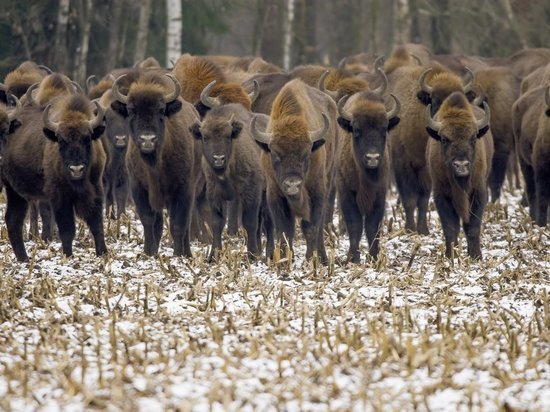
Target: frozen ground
{"points": [[411, 332]]}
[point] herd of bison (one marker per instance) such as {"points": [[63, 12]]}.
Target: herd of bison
{"points": [[237, 141]]}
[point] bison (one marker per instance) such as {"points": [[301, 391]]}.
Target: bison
{"points": [[298, 155], [362, 176], [459, 157], [161, 156], [56, 157]]}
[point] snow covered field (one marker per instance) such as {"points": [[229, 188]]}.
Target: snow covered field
{"points": [[411, 332]]}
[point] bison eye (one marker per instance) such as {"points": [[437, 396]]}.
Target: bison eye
{"points": [[444, 140]]}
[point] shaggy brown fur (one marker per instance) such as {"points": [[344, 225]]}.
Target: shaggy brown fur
{"points": [[194, 74], [399, 57], [25, 75]]}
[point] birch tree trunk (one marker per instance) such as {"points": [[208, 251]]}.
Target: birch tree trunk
{"points": [[60, 42], [85, 25], [143, 30], [512, 23], [403, 26], [114, 35], [288, 31], [173, 36]]}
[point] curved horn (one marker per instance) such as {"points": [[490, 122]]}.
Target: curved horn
{"points": [[45, 68], [321, 86], [478, 100], [396, 107], [341, 111], [379, 62], [90, 82], [170, 97], [547, 96], [12, 114], [98, 119], [117, 93], [205, 96], [481, 123], [432, 124], [255, 92], [382, 89], [29, 96], [321, 133], [417, 59], [422, 80], [3, 87], [77, 87], [469, 81], [262, 137], [49, 124], [342, 63]]}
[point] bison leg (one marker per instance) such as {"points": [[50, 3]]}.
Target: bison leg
{"points": [[267, 224], [542, 183], [121, 196], [472, 229], [33, 220], [354, 224], [313, 229], [251, 218], [530, 187], [425, 187], [407, 186], [150, 220], [64, 217], [217, 220], [180, 221], [15, 218], [94, 219], [284, 221], [109, 198], [498, 174], [373, 225], [233, 217], [47, 221], [449, 221]]}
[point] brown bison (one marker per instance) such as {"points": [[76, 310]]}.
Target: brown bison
{"points": [[25, 75], [8, 122], [531, 118], [362, 175], [298, 158], [63, 168], [53, 85], [161, 156], [459, 158]]}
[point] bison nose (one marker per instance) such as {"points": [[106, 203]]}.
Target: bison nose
{"points": [[76, 171], [292, 186], [461, 167], [219, 160], [372, 160], [147, 142], [120, 140]]}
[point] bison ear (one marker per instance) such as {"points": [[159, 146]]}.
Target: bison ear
{"points": [[4, 97], [481, 132], [264, 146], [195, 130], [394, 121], [97, 132], [50, 134], [547, 112], [424, 97], [119, 108], [345, 124], [471, 95], [14, 125], [202, 109], [237, 127], [172, 108], [433, 134], [317, 144]]}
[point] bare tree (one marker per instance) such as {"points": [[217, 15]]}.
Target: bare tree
{"points": [[288, 34], [143, 30], [60, 45], [114, 34], [173, 36]]}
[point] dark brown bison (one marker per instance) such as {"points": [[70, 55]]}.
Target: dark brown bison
{"points": [[231, 164], [459, 157], [298, 158], [531, 118], [161, 156], [363, 167], [63, 168], [8, 122]]}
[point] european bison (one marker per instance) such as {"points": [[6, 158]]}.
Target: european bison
{"points": [[459, 158]]}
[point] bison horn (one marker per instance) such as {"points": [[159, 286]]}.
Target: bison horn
{"points": [[98, 119], [481, 123], [90, 82], [3, 87], [77, 87], [478, 100], [417, 59], [469, 82], [117, 94], [48, 123], [422, 80], [29, 96], [321, 133], [262, 137], [547, 96], [13, 113], [382, 89], [396, 107], [205, 96], [45, 68], [379, 62], [321, 86], [341, 111], [255, 92], [170, 97], [432, 124], [342, 63]]}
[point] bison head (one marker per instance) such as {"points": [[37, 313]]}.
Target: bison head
{"points": [[444, 84], [290, 148], [8, 123], [368, 123], [74, 134], [457, 130], [226, 93], [145, 108], [217, 134]]}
